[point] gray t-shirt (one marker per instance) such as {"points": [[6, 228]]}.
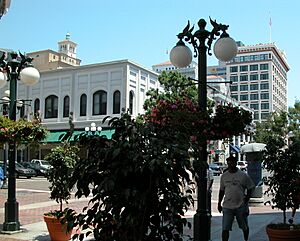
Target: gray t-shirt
{"points": [[234, 185]]}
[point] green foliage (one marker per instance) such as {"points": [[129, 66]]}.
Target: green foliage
{"points": [[276, 124], [283, 163], [62, 159], [176, 86], [294, 119], [279, 123], [140, 183]]}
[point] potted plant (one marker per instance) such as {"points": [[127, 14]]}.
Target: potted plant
{"points": [[62, 159], [283, 163]]}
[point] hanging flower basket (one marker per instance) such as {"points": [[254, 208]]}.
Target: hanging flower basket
{"points": [[21, 131], [184, 115]]}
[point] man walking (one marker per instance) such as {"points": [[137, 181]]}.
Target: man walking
{"points": [[236, 188]]}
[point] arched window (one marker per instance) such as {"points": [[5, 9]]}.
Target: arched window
{"points": [[51, 106], [131, 100], [36, 107], [66, 109], [100, 102], [83, 103], [116, 102]]}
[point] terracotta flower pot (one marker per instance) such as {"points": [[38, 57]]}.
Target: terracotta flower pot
{"points": [[57, 231], [283, 235]]}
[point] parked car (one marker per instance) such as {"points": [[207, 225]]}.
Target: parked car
{"points": [[242, 165], [40, 171], [24, 171], [216, 169], [42, 163]]}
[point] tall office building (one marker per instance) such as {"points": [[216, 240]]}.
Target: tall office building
{"points": [[259, 76]]}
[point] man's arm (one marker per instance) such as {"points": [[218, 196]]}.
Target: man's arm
{"points": [[248, 195], [221, 195]]}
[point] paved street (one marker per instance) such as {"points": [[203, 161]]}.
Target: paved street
{"points": [[33, 198]]}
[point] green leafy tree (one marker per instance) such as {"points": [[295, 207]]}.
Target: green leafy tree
{"points": [[276, 124], [139, 182], [282, 123], [283, 163], [62, 160], [175, 87]]}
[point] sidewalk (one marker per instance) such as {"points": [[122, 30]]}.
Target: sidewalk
{"points": [[33, 203]]}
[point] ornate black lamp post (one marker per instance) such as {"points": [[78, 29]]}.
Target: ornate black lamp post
{"points": [[181, 56], [13, 68]]}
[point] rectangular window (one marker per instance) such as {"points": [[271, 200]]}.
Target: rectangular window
{"points": [[254, 87], [233, 69], [256, 116], [264, 66], [253, 96], [264, 76], [235, 97], [264, 96], [264, 115], [264, 106], [234, 78], [243, 68], [264, 86], [233, 88], [132, 73], [243, 87], [244, 78], [254, 106], [253, 67], [244, 97], [254, 77]]}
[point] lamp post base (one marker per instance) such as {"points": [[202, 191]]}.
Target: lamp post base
{"points": [[202, 221], [11, 222]]}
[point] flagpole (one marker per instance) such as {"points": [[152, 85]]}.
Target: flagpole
{"points": [[270, 25]]}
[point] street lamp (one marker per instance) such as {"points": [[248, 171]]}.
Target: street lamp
{"points": [[13, 68], [4, 6], [93, 130], [225, 49]]}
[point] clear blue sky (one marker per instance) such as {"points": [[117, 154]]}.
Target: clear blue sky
{"points": [[143, 30]]}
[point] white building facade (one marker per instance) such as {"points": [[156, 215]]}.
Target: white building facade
{"points": [[90, 92]]}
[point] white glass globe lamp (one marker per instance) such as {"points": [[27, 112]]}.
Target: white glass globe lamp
{"points": [[181, 55], [3, 79], [29, 76], [225, 49]]}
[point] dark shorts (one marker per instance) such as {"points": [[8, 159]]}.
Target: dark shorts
{"points": [[241, 215]]}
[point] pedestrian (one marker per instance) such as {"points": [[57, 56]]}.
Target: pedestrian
{"points": [[210, 181], [296, 201], [236, 188], [1, 177]]}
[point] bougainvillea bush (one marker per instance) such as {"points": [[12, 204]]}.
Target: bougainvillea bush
{"points": [[183, 114]]}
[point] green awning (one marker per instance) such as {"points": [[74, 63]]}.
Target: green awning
{"points": [[54, 137], [107, 133], [60, 136]]}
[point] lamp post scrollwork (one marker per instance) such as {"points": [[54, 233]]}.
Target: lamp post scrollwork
{"points": [[181, 56], [14, 67]]}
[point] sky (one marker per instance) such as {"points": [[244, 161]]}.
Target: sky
{"points": [[144, 31]]}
